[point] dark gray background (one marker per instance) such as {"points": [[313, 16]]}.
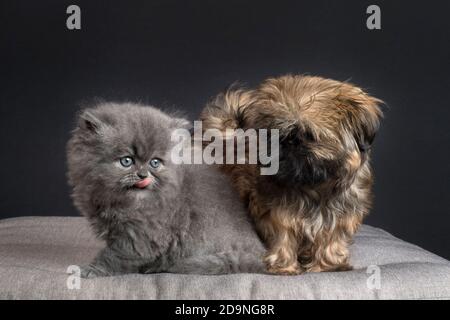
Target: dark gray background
{"points": [[177, 54]]}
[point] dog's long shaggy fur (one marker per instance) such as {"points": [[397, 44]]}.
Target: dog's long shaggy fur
{"points": [[308, 212]]}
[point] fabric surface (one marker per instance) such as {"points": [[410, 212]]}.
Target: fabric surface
{"points": [[35, 253]]}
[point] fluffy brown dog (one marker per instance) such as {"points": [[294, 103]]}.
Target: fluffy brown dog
{"points": [[308, 212]]}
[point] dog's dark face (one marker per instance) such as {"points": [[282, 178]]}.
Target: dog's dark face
{"points": [[326, 129], [299, 166]]}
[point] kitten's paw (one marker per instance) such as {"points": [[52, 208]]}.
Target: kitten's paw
{"points": [[91, 271]]}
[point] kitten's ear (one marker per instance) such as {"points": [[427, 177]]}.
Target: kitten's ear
{"points": [[89, 122], [180, 123]]}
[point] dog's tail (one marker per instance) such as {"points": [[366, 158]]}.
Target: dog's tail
{"points": [[227, 110]]}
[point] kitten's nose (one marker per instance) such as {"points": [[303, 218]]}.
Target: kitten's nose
{"points": [[142, 174]]}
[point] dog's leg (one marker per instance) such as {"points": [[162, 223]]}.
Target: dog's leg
{"points": [[330, 255], [330, 252], [281, 257]]}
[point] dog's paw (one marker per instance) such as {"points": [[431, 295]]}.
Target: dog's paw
{"points": [[292, 270], [274, 266], [328, 268], [343, 267]]}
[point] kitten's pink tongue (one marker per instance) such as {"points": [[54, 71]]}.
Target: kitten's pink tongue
{"points": [[143, 183]]}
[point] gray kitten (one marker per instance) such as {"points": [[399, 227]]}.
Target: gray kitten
{"points": [[154, 216]]}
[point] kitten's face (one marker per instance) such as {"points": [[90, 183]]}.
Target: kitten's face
{"points": [[127, 166], [123, 151]]}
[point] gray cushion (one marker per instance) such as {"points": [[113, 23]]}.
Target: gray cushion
{"points": [[35, 253]]}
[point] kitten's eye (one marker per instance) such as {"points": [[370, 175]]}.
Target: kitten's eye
{"points": [[155, 163], [126, 162]]}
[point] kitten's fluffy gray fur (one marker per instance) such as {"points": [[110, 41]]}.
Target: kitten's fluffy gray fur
{"points": [[188, 220]]}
